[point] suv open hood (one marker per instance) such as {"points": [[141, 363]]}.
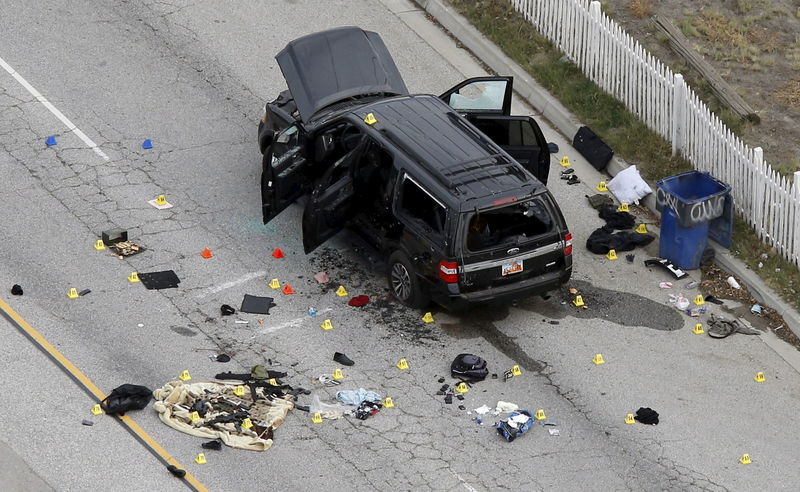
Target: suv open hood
{"points": [[329, 66]]}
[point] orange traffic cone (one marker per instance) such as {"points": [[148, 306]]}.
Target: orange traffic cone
{"points": [[206, 253], [287, 289], [277, 253]]}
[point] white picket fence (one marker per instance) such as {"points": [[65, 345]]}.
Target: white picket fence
{"points": [[618, 64]]}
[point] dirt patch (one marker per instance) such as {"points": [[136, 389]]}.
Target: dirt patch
{"points": [[753, 44]]}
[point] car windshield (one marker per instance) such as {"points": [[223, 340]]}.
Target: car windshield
{"points": [[511, 224]]}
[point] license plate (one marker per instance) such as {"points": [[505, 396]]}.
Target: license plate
{"points": [[513, 267]]}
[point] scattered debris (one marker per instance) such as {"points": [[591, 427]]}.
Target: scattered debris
{"points": [[647, 416], [176, 471], [713, 300], [600, 201], [214, 444], [722, 328], [222, 358], [322, 277], [84, 292], [226, 310], [664, 263], [166, 279], [482, 410], [505, 407], [665, 285], [114, 236], [124, 249], [630, 257], [515, 425], [692, 285], [554, 432], [256, 304], [241, 321], [756, 309], [357, 397], [327, 381], [733, 283], [16, 290], [470, 367], [696, 311], [87, 422], [342, 359]]}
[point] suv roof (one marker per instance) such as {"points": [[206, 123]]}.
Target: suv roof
{"points": [[459, 157]]}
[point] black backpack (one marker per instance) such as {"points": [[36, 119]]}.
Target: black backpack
{"points": [[126, 397], [468, 366]]}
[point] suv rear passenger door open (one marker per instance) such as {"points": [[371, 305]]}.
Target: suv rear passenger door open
{"points": [[521, 137], [330, 205]]}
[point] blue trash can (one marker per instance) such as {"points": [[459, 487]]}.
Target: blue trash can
{"points": [[689, 202]]}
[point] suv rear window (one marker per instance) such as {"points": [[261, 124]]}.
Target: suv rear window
{"points": [[510, 224]]}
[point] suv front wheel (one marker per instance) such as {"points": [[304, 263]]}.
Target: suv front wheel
{"points": [[403, 281]]}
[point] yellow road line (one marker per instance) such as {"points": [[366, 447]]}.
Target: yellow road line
{"points": [[93, 390]]}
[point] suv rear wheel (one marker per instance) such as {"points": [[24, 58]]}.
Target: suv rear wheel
{"points": [[403, 281]]}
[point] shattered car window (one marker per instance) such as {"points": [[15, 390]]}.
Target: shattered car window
{"points": [[487, 94], [512, 224]]}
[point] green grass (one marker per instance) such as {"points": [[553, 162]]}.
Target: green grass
{"points": [[609, 118]]}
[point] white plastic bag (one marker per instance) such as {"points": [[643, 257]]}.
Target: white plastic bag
{"points": [[628, 186]]}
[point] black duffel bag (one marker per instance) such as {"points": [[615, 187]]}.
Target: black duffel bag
{"points": [[126, 397], [592, 148]]}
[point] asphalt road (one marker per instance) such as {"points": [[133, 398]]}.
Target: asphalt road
{"points": [[193, 77]]}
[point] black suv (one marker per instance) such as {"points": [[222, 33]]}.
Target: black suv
{"points": [[449, 188]]}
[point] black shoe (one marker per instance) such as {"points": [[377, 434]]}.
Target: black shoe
{"points": [[216, 444], [342, 359], [16, 290], [713, 299], [573, 180], [176, 471], [567, 171], [226, 310]]}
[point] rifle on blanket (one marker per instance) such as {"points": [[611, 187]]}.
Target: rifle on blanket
{"points": [[259, 377]]}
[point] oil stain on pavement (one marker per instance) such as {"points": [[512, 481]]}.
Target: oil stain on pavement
{"points": [[623, 309]]}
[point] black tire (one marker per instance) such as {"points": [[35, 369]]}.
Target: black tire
{"points": [[404, 283]]}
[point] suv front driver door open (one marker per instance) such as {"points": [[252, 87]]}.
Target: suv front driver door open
{"points": [[481, 95], [283, 175], [330, 205]]}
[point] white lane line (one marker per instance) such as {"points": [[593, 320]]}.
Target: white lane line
{"points": [[58, 114], [463, 482], [292, 323], [232, 283]]}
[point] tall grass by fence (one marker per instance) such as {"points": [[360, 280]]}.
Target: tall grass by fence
{"points": [[612, 59]]}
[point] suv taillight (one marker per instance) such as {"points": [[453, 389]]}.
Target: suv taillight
{"points": [[568, 244], [448, 271]]}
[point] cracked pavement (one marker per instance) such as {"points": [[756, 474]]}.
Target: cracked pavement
{"points": [[194, 78]]}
